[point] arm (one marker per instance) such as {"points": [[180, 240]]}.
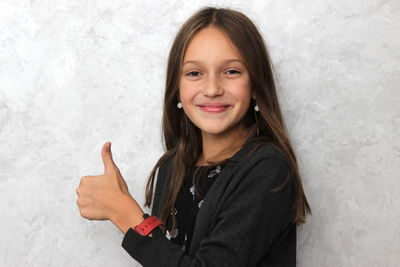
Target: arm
{"points": [[249, 222]]}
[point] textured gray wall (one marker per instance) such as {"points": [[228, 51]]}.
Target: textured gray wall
{"points": [[75, 74]]}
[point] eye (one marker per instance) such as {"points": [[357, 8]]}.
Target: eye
{"points": [[193, 73], [233, 71]]}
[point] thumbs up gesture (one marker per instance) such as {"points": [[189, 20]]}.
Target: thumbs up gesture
{"points": [[106, 196]]}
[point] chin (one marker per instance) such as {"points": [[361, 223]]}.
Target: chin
{"points": [[213, 129]]}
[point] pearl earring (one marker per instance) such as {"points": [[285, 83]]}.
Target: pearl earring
{"points": [[256, 109], [256, 106], [179, 105]]}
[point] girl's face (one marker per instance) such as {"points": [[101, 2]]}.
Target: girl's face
{"points": [[214, 84]]}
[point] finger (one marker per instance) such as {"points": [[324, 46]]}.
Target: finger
{"points": [[108, 161], [84, 179]]}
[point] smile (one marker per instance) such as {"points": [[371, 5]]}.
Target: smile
{"points": [[214, 109]]}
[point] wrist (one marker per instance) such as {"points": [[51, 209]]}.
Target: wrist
{"points": [[149, 223], [128, 215]]}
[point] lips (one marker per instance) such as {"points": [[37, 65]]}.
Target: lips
{"points": [[214, 107]]}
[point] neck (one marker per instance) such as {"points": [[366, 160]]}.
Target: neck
{"points": [[222, 146]]}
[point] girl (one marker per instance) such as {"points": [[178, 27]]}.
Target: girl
{"points": [[227, 191]]}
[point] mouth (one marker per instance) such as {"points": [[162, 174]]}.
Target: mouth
{"points": [[214, 107]]}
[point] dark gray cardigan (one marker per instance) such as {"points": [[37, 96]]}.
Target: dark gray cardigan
{"points": [[241, 222]]}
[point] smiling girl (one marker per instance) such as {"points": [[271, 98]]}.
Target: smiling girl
{"points": [[227, 191]]}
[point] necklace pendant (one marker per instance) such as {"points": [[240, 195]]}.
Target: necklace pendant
{"points": [[215, 172]]}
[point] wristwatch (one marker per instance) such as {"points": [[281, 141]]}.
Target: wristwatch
{"points": [[147, 225]]}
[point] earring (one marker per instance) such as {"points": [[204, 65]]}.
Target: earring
{"points": [[179, 105], [256, 106], [256, 109]]}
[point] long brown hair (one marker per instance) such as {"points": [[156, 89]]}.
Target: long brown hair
{"points": [[182, 139]]}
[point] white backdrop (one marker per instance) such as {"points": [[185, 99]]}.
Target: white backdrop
{"points": [[75, 74]]}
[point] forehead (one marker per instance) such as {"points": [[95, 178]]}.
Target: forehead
{"points": [[211, 45]]}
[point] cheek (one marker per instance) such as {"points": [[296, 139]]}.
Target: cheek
{"points": [[187, 91], [241, 91], [240, 86]]}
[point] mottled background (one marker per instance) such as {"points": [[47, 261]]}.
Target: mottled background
{"points": [[75, 74]]}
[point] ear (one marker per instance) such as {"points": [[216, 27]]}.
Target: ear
{"points": [[253, 95]]}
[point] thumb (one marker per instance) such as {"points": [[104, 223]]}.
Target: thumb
{"points": [[108, 161]]}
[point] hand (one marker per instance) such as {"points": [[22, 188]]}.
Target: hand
{"points": [[106, 196]]}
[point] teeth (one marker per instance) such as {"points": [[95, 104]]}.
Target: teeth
{"points": [[215, 106]]}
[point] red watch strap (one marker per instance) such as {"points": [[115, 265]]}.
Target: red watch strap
{"points": [[147, 225]]}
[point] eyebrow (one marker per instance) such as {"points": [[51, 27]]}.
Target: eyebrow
{"points": [[224, 61]]}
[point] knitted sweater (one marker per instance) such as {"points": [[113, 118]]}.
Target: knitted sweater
{"points": [[240, 223]]}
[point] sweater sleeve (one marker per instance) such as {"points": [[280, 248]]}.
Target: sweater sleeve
{"points": [[249, 221]]}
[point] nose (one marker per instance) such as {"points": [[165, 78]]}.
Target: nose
{"points": [[212, 88]]}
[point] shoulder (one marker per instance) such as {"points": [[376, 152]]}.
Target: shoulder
{"points": [[264, 165], [263, 180], [256, 154]]}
